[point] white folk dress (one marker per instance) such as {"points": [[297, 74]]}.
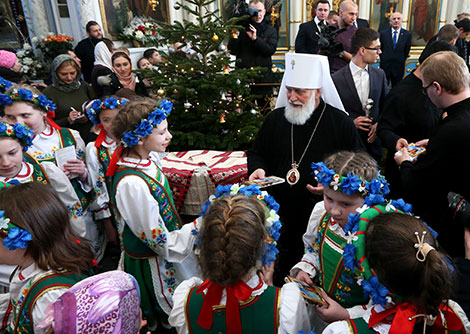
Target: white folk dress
{"points": [[139, 211], [19, 285], [342, 327], [43, 148], [100, 206]]}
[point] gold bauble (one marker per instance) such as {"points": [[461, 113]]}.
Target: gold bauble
{"points": [[161, 92], [215, 38]]}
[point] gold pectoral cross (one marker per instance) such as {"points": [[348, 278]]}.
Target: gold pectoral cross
{"points": [[292, 63]]}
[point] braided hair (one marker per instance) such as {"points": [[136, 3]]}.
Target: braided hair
{"points": [[232, 239], [390, 249], [356, 163]]}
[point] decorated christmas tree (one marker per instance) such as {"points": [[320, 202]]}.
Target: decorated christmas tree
{"points": [[213, 106]]}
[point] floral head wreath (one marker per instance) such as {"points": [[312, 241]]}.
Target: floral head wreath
{"points": [[146, 126], [272, 223], [4, 84], [14, 237], [17, 130], [373, 191], [26, 95], [96, 106]]}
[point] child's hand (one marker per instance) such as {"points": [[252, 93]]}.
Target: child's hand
{"points": [[331, 312], [266, 274], [318, 190], [78, 167], [304, 277]]}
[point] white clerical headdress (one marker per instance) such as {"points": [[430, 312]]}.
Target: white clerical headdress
{"points": [[308, 72]]}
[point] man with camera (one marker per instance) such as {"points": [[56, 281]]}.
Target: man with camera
{"points": [[309, 32], [445, 165], [255, 46]]}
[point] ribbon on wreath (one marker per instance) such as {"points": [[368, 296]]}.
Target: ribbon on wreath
{"points": [[114, 160], [239, 291], [101, 136], [405, 319]]}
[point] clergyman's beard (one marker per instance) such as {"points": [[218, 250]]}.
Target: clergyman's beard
{"points": [[299, 116]]}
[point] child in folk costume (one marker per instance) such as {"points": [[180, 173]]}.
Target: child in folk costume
{"points": [[401, 251], [156, 251], [14, 140], [238, 234], [36, 237], [352, 183], [104, 303], [98, 155], [29, 106]]}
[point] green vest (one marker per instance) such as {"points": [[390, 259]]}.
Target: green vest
{"points": [[337, 282], [39, 174], [360, 326], [23, 319], [104, 158], [133, 245], [67, 139], [259, 314]]}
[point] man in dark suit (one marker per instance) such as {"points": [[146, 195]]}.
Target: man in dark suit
{"points": [[396, 44], [307, 37], [362, 88], [360, 23]]}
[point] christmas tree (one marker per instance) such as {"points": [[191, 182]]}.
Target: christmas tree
{"points": [[213, 106]]}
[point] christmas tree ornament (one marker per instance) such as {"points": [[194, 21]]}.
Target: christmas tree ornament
{"points": [[171, 49], [226, 69], [215, 38], [222, 47], [222, 119], [234, 34], [175, 91], [238, 82], [223, 97], [187, 105], [176, 6], [161, 92], [253, 111]]}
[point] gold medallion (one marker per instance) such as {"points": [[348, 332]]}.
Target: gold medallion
{"points": [[293, 176]]}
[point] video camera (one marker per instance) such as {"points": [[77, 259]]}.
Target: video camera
{"points": [[328, 45], [459, 209], [240, 9]]}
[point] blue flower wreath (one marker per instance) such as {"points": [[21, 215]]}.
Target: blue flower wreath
{"points": [[26, 95], [273, 224], [4, 84], [145, 127], [96, 106], [17, 130], [14, 237]]}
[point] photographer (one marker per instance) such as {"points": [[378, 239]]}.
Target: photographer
{"points": [[255, 46], [348, 11]]}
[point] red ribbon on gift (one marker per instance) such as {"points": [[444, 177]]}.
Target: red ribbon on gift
{"points": [[405, 319], [239, 291]]}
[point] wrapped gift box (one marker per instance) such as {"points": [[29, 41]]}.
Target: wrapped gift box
{"points": [[194, 175]]}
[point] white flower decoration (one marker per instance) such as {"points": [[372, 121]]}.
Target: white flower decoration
{"points": [[4, 223]]}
